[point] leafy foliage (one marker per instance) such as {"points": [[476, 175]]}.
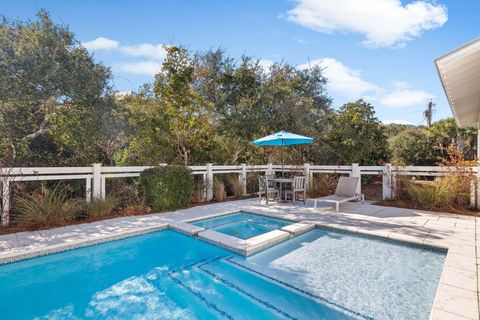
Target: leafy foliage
{"points": [[355, 135], [167, 187], [413, 147], [45, 78]]}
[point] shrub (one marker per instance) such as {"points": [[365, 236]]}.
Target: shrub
{"points": [[46, 207], [219, 190], [101, 207], [198, 194], [237, 186], [126, 192], [447, 192], [167, 187]]}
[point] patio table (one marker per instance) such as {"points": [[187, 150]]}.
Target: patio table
{"points": [[281, 182]]}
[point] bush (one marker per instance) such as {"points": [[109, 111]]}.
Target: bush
{"points": [[219, 190], [450, 193], [101, 207], [126, 192], [198, 194], [167, 187], [47, 207], [237, 186]]}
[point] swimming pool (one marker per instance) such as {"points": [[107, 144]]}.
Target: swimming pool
{"points": [[243, 225], [322, 274]]}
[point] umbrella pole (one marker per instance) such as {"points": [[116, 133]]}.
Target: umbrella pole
{"points": [[283, 160]]}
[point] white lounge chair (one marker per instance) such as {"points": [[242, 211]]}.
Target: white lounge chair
{"points": [[346, 191]]}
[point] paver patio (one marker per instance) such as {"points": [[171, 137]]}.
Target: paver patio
{"points": [[458, 292]]}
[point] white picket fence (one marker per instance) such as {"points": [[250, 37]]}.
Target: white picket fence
{"points": [[96, 175]]}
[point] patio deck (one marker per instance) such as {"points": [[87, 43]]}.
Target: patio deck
{"points": [[458, 292]]}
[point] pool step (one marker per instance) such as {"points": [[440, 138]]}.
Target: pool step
{"points": [[226, 301], [281, 300]]}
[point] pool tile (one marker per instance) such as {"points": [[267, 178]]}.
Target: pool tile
{"points": [[298, 228], [459, 278], [438, 314], [461, 262], [185, 228], [457, 301]]}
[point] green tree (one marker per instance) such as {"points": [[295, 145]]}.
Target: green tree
{"points": [[446, 132], [147, 130], [189, 115], [45, 76], [414, 146], [355, 135]]}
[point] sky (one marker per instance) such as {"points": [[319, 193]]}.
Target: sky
{"points": [[380, 50]]}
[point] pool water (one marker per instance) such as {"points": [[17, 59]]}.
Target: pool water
{"points": [[242, 225], [323, 274]]}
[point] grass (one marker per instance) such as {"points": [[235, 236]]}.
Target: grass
{"points": [[237, 187], [47, 207], [219, 190], [101, 207]]}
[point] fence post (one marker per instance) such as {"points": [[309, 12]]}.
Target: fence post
{"points": [[243, 178], [269, 169], [356, 174], [88, 190], [478, 187], [102, 190], [209, 181], [387, 181], [5, 201], [306, 171], [97, 181]]}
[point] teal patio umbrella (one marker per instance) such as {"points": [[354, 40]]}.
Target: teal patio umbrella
{"points": [[282, 139]]}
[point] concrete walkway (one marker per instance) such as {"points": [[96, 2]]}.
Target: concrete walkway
{"points": [[458, 292]]}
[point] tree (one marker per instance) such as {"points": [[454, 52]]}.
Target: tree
{"points": [[189, 115], [356, 135], [44, 74], [414, 146], [446, 133]]}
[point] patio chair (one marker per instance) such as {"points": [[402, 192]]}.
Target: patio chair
{"points": [[263, 188], [271, 183], [346, 191], [298, 186]]}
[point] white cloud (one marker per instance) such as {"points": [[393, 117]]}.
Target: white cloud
{"points": [[342, 79], [384, 23], [155, 53], [401, 96], [300, 40], [398, 121], [101, 43], [349, 84], [265, 63], [149, 67], [152, 51]]}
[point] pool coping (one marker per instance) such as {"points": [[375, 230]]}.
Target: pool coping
{"points": [[457, 292]]}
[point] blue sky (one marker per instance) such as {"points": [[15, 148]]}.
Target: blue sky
{"points": [[379, 50]]}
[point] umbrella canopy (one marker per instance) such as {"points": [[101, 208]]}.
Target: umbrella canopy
{"points": [[282, 138]]}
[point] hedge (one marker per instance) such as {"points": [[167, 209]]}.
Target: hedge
{"points": [[167, 187]]}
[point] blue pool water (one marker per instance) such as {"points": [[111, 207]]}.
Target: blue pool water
{"points": [[243, 225], [320, 275]]}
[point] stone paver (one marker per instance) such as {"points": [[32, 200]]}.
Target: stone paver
{"points": [[457, 295]]}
